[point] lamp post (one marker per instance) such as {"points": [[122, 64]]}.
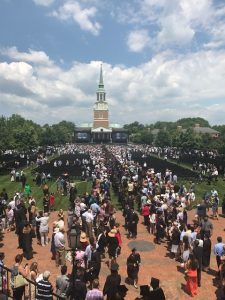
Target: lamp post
{"points": [[73, 235]]}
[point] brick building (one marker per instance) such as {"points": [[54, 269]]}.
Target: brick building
{"points": [[101, 131]]}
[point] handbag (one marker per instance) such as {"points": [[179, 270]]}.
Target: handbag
{"points": [[20, 281]]}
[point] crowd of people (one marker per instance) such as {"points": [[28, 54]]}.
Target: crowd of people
{"points": [[143, 193]]}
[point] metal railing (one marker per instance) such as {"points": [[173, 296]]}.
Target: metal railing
{"points": [[30, 289]]}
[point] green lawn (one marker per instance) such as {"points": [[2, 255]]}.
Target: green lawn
{"points": [[201, 188], [84, 186], [61, 201]]}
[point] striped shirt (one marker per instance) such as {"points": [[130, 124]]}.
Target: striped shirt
{"points": [[44, 290]]}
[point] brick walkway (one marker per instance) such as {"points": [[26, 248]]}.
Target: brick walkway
{"points": [[155, 263]]}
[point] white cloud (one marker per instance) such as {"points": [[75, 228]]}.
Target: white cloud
{"points": [[213, 44], [32, 56], [44, 2], [138, 40], [173, 24], [164, 88], [72, 10], [174, 31]]}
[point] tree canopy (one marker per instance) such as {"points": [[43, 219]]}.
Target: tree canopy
{"points": [[23, 135], [177, 134]]}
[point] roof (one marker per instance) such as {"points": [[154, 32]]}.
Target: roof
{"points": [[86, 125], [121, 129], [115, 125], [155, 131], [101, 129], [205, 130], [82, 129]]}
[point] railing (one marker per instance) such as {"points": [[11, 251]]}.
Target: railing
{"points": [[30, 289]]}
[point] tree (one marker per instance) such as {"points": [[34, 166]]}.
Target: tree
{"points": [[64, 132], [191, 122], [188, 139], [26, 137], [163, 139], [5, 135], [134, 127], [147, 137], [48, 136]]}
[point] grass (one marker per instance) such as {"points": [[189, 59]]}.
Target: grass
{"points": [[201, 188], [114, 199], [85, 186], [37, 193]]}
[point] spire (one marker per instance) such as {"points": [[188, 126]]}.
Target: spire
{"points": [[101, 95], [101, 84]]}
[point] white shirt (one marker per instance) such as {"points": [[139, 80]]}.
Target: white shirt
{"points": [[43, 223], [59, 240], [10, 214], [152, 218], [12, 204], [88, 217]]}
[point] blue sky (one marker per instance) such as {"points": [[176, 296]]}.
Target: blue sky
{"points": [[162, 60]]}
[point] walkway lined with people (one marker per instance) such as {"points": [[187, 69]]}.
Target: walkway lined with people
{"points": [[101, 228]]}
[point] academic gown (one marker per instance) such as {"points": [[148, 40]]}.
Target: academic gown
{"points": [[111, 286], [207, 245]]}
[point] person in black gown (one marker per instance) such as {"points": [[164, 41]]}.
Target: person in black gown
{"points": [[133, 262], [112, 283], [207, 245]]}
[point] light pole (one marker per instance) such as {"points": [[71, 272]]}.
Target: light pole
{"points": [[73, 235]]}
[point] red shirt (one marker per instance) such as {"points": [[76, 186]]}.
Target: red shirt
{"points": [[118, 236], [52, 200], [145, 211]]}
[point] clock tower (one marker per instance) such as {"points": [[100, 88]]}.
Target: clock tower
{"points": [[101, 110]]}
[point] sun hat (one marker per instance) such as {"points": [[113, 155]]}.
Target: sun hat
{"points": [[112, 233], [83, 237], [56, 230]]}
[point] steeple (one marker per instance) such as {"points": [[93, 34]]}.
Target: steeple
{"points": [[101, 84], [101, 110], [101, 95]]}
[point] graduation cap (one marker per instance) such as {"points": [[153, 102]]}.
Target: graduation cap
{"points": [[144, 290], [154, 283]]}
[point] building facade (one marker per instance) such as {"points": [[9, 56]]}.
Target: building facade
{"points": [[101, 131]]}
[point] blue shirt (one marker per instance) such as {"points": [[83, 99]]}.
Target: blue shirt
{"points": [[88, 252], [218, 249], [95, 208]]}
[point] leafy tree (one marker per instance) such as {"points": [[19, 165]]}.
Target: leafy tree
{"points": [[188, 139], [26, 137], [64, 131], [163, 139], [5, 135], [191, 122], [48, 136], [147, 137], [164, 125], [134, 127]]}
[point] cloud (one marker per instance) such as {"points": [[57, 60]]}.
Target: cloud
{"points": [[174, 30], [167, 87], [72, 10], [174, 24], [44, 2], [32, 56], [138, 40]]}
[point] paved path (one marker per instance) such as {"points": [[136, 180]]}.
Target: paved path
{"points": [[155, 263]]}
